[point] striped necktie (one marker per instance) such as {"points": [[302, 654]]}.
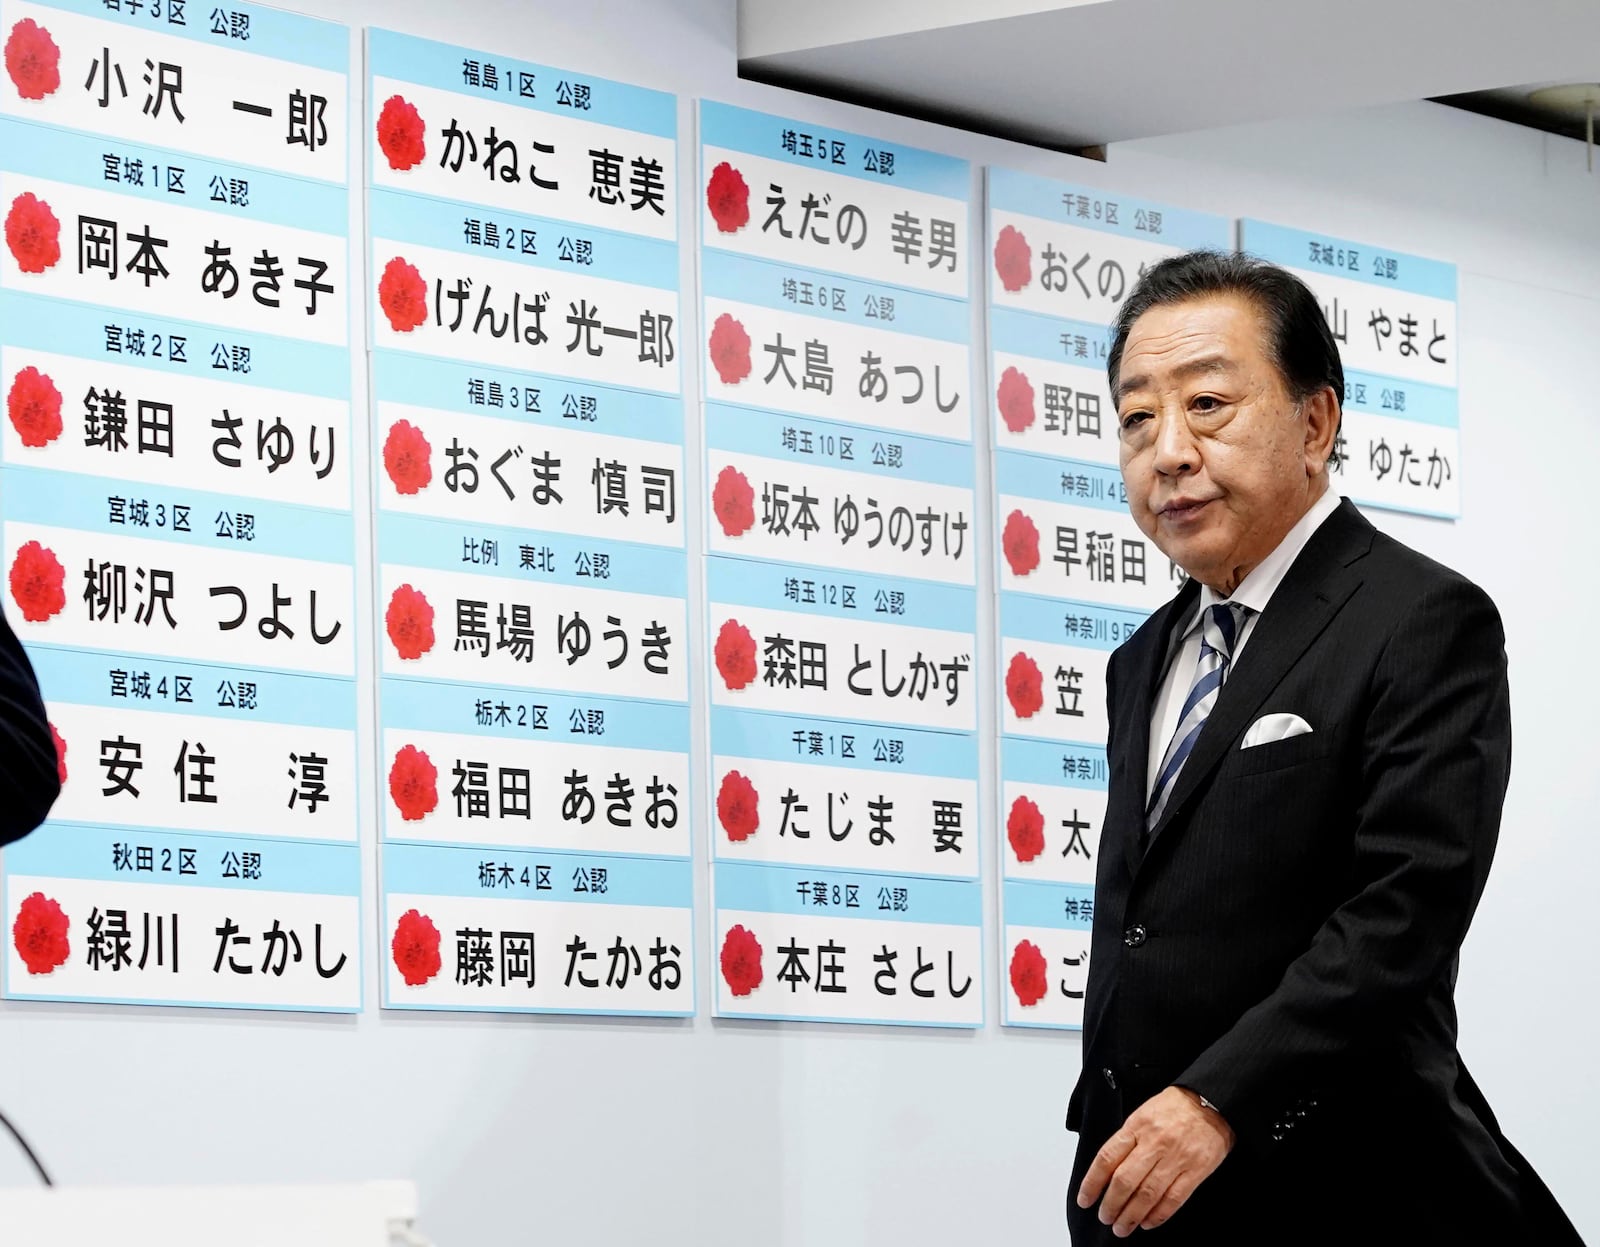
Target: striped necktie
{"points": [[1218, 634]]}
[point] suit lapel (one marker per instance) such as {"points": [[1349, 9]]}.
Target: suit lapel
{"points": [[1317, 585], [1147, 663]]}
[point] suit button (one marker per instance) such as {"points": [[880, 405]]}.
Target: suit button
{"points": [[1135, 936], [1111, 1079]]}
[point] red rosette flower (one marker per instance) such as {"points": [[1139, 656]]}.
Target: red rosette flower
{"points": [[409, 620], [33, 233], [1024, 686], [407, 457], [1013, 259], [738, 806], [1025, 829], [415, 948], [39, 934], [741, 961], [400, 133], [730, 349], [33, 60], [34, 405], [403, 295], [414, 784], [61, 754], [1015, 398], [37, 582], [734, 502], [1020, 543], [1030, 978], [736, 655], [728, 197]]}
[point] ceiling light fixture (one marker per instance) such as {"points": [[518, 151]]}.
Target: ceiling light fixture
{"points": [[1580, 99]]}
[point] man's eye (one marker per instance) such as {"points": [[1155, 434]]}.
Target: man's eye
{"points": [[1206, 402], [1133, 418]]}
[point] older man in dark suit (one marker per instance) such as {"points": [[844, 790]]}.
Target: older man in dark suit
{"points": [[28, 766], [1309, 750]]}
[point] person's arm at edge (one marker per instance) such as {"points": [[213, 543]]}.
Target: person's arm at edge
{"points": [[29, 779]]}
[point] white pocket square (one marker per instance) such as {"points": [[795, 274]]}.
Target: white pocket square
{"points": [[1271, 727]]}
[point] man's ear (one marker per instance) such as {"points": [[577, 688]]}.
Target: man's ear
{"points": [[1322, 416]]}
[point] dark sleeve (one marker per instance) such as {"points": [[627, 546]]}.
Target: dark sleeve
{"points": [[1111, 700], [1436, 759], [28, 774]]}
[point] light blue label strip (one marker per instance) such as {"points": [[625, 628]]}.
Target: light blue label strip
{"points": [[1055, 339], [1355, 261], [523, 83], [807, 443], [1402, 399], [81, 160], [70, 500], [1054, 906], [445, 545], [843, 300], [453, 870], [1068, 481], [146, 341], [757, 887], [850, 746], [841, 594], [508, 394], [535, 242], [154, 685], [84, 851], [1108, 212], [538, 718], [1031, 618], [272, 32], [1048, 762], [780, 138]]}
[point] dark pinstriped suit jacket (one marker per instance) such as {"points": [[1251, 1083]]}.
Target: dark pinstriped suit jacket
{"points": [[28, 783], [1286, 944]]}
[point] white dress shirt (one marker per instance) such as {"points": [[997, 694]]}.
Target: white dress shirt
{"points": [[1254, 591]]}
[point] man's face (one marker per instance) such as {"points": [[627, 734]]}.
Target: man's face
{"points": [[1218, 462]]}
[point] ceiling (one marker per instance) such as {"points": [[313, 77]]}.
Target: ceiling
{"points": [[1098, 71]]}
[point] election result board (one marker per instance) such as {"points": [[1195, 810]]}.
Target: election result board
{"points": [[840, 575], [534, 696], [1075, 574], [176, 501]]}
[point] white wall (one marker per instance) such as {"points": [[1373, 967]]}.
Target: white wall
{"points": [[539, 1130]]}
